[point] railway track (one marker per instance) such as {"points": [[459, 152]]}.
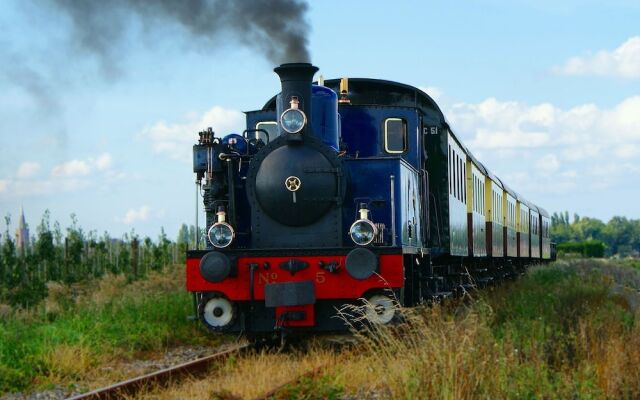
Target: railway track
{"points": [[196, 368], [132, 386]]}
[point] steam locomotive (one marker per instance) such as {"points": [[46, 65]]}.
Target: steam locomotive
{"points": [[343, 190]]}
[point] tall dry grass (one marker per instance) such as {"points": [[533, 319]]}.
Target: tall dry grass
{"points": [[249, 376], [431, 354], [562, 331], [557, 333]]}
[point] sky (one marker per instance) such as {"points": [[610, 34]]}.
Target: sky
{"points": [[545, 93]]}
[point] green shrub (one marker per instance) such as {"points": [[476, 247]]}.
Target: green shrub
{"points": [[587, 248]]}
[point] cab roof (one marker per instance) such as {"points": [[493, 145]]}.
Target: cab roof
{"points": [[365, 91]]}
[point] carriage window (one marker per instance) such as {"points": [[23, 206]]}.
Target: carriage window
{"points": [[454, 175], [459, 178], [458, 193], [461, 181], [395, 135], [270, 126], [450, 176], [464, 181], [475, 194]]}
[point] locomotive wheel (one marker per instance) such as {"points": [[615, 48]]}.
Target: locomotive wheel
{"points": [[380, 309], [216, 312]]}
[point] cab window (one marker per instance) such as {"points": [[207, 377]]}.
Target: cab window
{"points": [[395, 135], [270, 126]]}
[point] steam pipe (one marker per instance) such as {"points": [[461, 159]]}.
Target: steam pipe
{"points": [[197, 230], [232, 192]]}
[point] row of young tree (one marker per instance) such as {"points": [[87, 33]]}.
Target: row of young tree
{"points": [[620, 236], [73, 255]]}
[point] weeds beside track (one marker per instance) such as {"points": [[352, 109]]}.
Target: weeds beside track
{"points": [[161, 378], [85, 340], [568, 330]]}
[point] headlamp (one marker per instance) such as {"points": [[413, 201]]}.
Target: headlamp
{"points": [[363, 231], [293, 120], [221, 234]]}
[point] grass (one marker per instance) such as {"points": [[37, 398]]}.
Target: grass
{"points": [[559, 332], [81, 329], [562, 331], [253, 375], [568, 330]]}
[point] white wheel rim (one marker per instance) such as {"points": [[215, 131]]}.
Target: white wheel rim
{"points": [[380, 309], [219, 306]]}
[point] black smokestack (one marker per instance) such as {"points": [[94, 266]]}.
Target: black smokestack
{"points": [[296, 81], [275, 28]]}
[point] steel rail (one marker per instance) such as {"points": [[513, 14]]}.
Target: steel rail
{"points": [[159, 378]]}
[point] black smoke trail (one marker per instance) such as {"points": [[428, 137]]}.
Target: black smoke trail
{"points": [[275, 28]]}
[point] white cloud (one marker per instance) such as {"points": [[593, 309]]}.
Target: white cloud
{"points": [[175, 140], [493, 124], [103, 161], [548, 163], [76, 168], [140, 214], [581, 151], [623, 121], [543, 149], [69, 176], [71, 168], [497, 139], [628, 151], [38, 187], [622, 62], [27, 169]]}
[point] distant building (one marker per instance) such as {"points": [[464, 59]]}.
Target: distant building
{"points": [[22, 234]]}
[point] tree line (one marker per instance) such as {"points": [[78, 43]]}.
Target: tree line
{"points": [[72, 255], [619, 237]]}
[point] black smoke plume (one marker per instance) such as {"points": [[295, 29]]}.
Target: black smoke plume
{"points": [[276, 28]]}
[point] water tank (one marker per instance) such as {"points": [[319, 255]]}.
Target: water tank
{"points": [[324, 103]]}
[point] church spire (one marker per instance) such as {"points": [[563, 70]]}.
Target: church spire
{"points": [[22, 233]]}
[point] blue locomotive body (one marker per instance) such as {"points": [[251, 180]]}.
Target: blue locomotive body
{"points": [[344, 190]]}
